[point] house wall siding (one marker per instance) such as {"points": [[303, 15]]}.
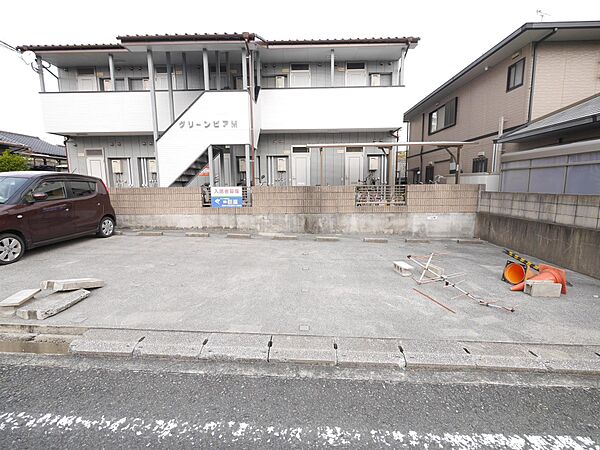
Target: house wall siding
{"points": [[481, 104], [132, 147], [565, 73]]}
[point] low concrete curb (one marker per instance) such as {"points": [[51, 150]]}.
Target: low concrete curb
{"points": [[150, 233], [339, 351], [327, 239], [376, 240], [239, 236], [197, 234], [285, 237]]}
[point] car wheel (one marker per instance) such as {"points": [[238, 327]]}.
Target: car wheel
{"points": [[106, 227], [12, 248]]}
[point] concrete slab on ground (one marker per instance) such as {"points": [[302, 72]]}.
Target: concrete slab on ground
{"points": [[19, 298], [306, 349], [257, 286], [169, 344], [72, 284], [99, 342], [236, 347], [368, 352], [50, 305]]}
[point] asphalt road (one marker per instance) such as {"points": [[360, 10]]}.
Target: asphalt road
{"points": [[75, 407]]}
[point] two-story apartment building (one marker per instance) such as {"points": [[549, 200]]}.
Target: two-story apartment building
{"points": [[521, 84], [154, 109]]}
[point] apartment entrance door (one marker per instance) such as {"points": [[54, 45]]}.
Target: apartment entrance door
{"points": [[354, 160], [95, 164], [300, 166]]}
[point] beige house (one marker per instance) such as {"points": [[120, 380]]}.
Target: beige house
{"points": [[532, 76]]}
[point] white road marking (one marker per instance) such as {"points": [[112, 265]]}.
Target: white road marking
{"points": [[231, 431]]}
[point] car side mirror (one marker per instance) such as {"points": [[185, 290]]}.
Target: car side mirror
{"points": [[39, 196]]}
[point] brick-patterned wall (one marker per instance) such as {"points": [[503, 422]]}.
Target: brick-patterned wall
{"points": [[303, 199], [442, 198], [435, 198]]}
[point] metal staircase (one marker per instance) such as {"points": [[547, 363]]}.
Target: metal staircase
{"points": [[186, 178]]}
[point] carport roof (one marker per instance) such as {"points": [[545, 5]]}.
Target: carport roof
{"points": [[580, 114]]}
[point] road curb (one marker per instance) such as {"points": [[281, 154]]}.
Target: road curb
{"points": [[357, 352], [369, 353]]}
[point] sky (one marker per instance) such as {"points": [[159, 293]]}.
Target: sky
{"points": [[453, 34]]}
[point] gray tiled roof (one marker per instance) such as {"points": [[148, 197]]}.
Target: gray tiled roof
{"points": [[567, 116], [35, 144]]}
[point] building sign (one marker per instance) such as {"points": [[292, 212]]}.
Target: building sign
{"points": [[226, 197], [183, 124]]}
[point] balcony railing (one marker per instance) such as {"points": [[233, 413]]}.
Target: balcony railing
{"points": [[380, 195]]}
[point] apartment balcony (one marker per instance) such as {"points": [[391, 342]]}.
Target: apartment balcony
{"points": [[327, 109], [80, 113]]}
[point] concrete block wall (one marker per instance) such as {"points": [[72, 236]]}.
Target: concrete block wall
{"points": [[438, 198], [582, 211], [440, 211]]}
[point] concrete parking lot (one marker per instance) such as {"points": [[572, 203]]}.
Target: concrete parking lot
{"points": [[261, 285]]}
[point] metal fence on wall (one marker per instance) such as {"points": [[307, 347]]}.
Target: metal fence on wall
{"points": [[380, 195]]}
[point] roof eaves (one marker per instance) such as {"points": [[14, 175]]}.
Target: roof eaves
{"points": [[372, 40], [186, 37], [68, 47]]}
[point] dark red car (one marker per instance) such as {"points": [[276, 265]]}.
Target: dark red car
{"points": [[39, 208]]}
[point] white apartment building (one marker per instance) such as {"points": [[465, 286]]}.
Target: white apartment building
{"points": [[183, 110]]}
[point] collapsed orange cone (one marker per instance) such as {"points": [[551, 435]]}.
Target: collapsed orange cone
{"points": [[550, 273]]}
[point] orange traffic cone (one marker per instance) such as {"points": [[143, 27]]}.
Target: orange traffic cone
{"points": [[547, 273]]}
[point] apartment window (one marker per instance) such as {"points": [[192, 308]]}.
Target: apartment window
{"points": [[480, 164], [355, 66], [300, 67], [515, 75], [299, 75], [443, 117]]}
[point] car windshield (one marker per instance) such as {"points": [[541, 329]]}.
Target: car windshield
{"points": [[8, 186]]}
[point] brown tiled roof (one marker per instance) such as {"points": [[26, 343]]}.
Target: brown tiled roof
{"points": [[61, 47], [187, 37]]}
